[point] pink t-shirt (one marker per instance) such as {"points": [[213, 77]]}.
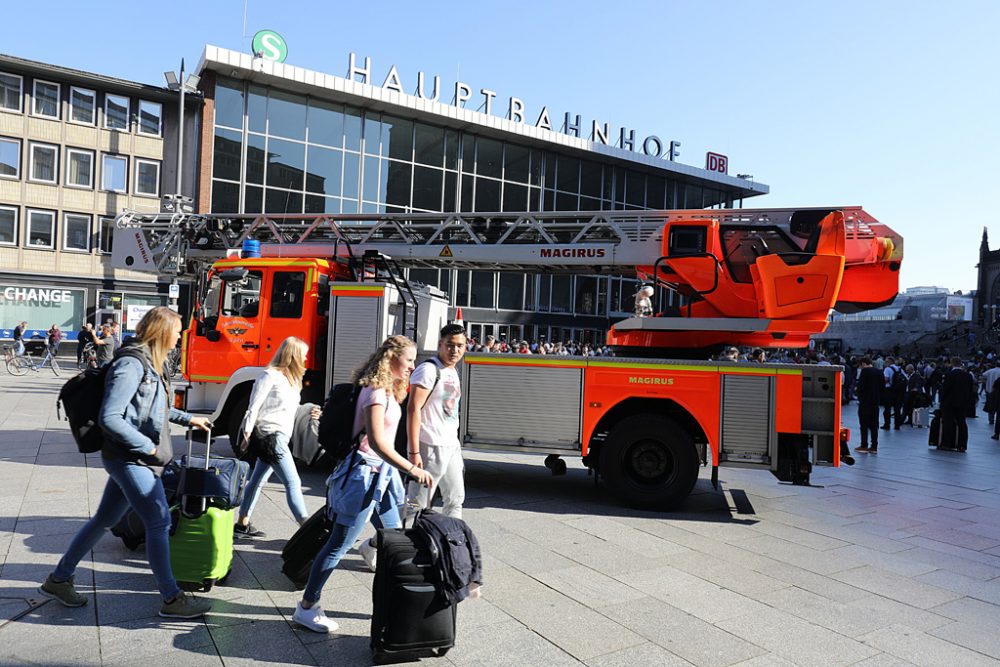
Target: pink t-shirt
{"points": [[390, 422]]}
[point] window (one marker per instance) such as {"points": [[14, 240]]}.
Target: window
{"points": [[41, 229], [8, 225], [106, 236], [147, 177], [114, 173], [150, 118], [82, 106], [43, 163], [482, 289], [11, 87], [288, 288], [511, 290], [79, 168], [76, 232], [46, 99], [242, 297], [116, 111], [10, 158]]}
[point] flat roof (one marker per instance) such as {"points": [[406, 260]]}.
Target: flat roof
{"points": [[62, 74], [238, 65]]}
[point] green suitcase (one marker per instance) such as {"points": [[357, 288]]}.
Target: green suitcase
{"points": [[201, 549]]}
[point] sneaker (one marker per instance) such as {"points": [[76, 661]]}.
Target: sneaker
{"points": [[369, 553], [314, 619], [185, 606], [862, 448], [248, 530], [62, 591]]}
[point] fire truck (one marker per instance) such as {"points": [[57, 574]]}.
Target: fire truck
{"points": [[644, 421]]}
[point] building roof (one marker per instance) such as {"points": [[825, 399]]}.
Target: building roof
{"points": [[62, 74], [238, 65]]}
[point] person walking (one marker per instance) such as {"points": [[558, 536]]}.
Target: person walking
{"points": [[892, 397], [956, 389], [367, 483], [135, 415], [432, 421], [869, 388], [270, 417]]}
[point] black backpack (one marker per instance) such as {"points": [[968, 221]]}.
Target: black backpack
{"points": [[898, 382], [81, 397], [336, 424]]}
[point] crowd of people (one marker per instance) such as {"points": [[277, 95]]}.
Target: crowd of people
{"points": [[542, 346]]}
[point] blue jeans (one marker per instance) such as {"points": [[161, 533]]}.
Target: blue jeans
{"points": [[135, 486], [19, 347], [288, 475], [342, 538]]}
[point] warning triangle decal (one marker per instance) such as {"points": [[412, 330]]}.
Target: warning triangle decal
{"points": [[446, 252]]}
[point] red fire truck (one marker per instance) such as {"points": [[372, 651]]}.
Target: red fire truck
{"points": [[645, 420]]}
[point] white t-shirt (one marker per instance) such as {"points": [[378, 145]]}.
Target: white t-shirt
{"points": [[439, 416]]}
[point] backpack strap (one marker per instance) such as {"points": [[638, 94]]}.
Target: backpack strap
{"points": [[437, 378]]}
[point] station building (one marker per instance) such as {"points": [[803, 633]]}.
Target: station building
{"points": [[281, 139], [76, 148]]}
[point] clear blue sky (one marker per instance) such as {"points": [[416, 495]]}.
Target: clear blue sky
{"points": [[890, 105]]}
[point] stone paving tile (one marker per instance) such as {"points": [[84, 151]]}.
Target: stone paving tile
{"points": [[899, 562], [910, 591], [507, 644], [151, 637], [693, 595], [766, 660], [978, 637], [641, 654], [883, 660], [922, 649], [972, 611], [725, 574], [682, 634], [813, 644], [797, 555], [988, 591], [573, 627], [258, 642], [589, 587], [821, 585]]}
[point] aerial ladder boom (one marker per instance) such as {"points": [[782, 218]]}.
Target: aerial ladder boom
{"points": [[763, 277]]}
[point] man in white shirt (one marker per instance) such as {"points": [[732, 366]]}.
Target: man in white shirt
{"points": [[432, 422]]}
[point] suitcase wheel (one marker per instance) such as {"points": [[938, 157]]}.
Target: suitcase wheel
{"points": [[441, 652], [222, 580]]}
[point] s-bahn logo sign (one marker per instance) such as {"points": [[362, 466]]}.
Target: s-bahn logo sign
{"points": [[517, 111]]}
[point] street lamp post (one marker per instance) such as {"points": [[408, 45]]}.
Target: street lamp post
{"points": [[190, 85], [179, 203]]}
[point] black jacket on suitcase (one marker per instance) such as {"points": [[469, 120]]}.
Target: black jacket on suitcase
{"points": [[407, 611]]}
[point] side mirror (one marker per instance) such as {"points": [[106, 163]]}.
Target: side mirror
{"points": [[232, 275], [213, 335]]}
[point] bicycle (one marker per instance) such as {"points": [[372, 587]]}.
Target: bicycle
{"points": [[89, 357], [174, 363], [20, 364]]}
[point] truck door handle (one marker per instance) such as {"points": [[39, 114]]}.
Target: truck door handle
{"points": [[250, 346]]}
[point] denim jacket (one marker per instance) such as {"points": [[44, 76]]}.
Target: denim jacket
{"points": [[348, 498], [135, 411]]}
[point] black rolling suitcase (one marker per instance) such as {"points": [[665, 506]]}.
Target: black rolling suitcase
{"points": [[300, 551], [934, 432], [407, 612], [131, 529]]}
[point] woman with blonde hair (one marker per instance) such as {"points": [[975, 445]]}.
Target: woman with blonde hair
{"points": [[269, 420], [134, 416], [367, 483]]}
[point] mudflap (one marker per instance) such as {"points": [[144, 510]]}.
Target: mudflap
{"points": [[793, 463]]}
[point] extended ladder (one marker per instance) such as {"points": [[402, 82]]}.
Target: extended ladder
{"points": [[579, 242]]}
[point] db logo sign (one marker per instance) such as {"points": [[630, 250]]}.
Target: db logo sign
{"points": [[716, 162]]}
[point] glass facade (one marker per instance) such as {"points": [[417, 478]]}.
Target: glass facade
{"points": [[279, 152]]}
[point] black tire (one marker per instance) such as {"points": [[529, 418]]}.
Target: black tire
{"points": [[649, 462]]}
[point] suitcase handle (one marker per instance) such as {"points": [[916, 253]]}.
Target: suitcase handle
{"points": [[208, 448]]}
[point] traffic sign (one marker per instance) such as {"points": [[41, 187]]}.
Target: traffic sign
{"points": [[269, 45]]}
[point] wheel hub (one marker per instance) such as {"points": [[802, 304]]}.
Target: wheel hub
{"points": [[650, 462]]}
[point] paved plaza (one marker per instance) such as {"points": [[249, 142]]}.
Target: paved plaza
{"points": [[895, 561]]}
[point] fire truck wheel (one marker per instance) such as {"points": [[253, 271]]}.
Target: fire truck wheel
{"points": [[649, 462]]}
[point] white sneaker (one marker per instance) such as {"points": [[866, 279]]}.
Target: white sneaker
{"points": [[369, 553], [314, 619]]}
